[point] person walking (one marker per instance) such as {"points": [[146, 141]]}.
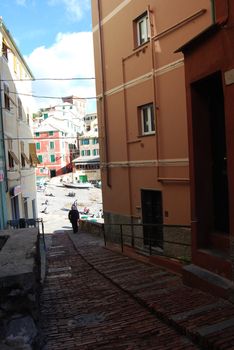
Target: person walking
{"points": [[74, 216]]}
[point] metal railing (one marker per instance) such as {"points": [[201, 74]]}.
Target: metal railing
{"points": [[151, 239], [27, 223]]}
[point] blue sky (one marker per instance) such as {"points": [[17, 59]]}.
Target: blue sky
{"points": [[55, 38]]}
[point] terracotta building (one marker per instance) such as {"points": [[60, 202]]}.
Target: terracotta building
{"points": [[209, 70], [140, 84]]}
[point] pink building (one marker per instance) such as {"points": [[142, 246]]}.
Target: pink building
{"points": [[52, 151]]}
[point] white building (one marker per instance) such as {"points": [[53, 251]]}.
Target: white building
{"points": [[87, 165], [68, 116], [16, 108]]}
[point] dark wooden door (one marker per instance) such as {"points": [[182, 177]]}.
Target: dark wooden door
{"points": [[152, 216]]}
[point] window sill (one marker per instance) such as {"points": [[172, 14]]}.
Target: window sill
{"points": [[149, 134], [141, 47]]}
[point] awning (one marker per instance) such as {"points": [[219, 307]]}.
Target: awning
{"points": [[33, 154], [27, 160], [12, 154]]}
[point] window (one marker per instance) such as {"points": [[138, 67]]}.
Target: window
{"points": [[6, 97], [95, 141], [38, 145], [82, 153], [142, 29], [37, 134], [22, 160], [147, 119], [51, 145], [95, 152], [12, 159], [85, 142], [4, 50], [20, 113], [88, 152], [40, 158], [52, 158], [51, 133]]}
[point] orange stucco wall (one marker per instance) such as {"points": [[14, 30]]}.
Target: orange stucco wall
{"points": [[132, 77]]}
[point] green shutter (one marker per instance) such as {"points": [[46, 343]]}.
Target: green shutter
{"points": [[40, 158], [52, 158], [38, 145]]}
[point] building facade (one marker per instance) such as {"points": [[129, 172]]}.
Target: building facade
{"points": [[16, 112], [56, 131], [52, 151], [209, 68], [142, 114], [87, 165]]}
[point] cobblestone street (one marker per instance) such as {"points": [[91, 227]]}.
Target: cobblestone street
{"points": [[81, 309], [94, 298]]}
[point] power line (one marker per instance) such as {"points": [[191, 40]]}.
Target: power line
{"points": [[51, 97], [47, 138], [49, 79]]}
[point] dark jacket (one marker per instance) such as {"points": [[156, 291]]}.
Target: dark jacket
{"points": [[73, 215]]}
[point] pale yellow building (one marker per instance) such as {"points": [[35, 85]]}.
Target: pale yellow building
{"points": [[16, 107]]}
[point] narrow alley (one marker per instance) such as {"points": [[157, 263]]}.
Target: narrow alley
{"points": [[94, 298]]}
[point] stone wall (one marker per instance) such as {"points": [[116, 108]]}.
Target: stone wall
{"points": [[177, 242], [19, 290]]}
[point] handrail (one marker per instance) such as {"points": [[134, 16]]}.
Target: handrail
{"points": [[150, 242]]}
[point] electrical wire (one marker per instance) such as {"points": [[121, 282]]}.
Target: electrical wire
{"points": [[51, 97], [50, 79]]}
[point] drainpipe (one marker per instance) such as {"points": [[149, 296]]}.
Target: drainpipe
{"points": [[104, 109], [127, 145], [213, 11], [156, 108]]}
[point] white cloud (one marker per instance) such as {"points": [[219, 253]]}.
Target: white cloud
{"points": [[71, 56], [21, 2], [75, 9]]}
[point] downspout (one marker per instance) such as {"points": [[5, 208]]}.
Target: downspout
{"points": [[127, 144], [213, 11], [156, 108], [103, 82]]}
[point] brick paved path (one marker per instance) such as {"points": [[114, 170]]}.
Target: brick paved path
{"points": [[82, 309], [207, 320]]}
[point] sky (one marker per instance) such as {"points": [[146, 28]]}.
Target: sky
{"points": [[55, 39]]}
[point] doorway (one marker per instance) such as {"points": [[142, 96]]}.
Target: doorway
{"points": [[25, 208], [210, 158], [15, 208], [152, 213], [52, 173]]}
